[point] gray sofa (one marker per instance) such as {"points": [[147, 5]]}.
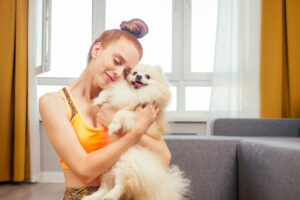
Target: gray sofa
{"points": [[244, 159]]}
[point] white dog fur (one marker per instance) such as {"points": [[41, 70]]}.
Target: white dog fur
{"points": [[139, 174]]}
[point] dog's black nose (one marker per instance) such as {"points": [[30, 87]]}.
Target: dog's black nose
{"points": [[138, 77]]}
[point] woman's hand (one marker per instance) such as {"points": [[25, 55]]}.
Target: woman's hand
{"points": [[105, 114], [144, 116]]}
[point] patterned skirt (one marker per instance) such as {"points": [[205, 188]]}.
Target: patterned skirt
{"points": [[79, 193]]}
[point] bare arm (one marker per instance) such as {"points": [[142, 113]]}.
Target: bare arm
{"points": [[64, 140], [157, 146]]}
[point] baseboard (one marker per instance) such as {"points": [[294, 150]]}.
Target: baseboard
{"points": [[52, 177]]}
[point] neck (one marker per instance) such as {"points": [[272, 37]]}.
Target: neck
{"points": [[84, 86]]}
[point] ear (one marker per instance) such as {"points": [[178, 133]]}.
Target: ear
{"points": [[158, 69], [96, 49]]}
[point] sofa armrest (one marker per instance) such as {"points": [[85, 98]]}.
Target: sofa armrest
{"points": [[209, 162], [256, 127], [269, 168]]}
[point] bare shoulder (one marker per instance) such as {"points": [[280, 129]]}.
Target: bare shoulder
{"points": [[53, 101]]}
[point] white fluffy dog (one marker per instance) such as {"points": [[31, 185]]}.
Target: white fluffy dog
{"points": [[139, 174]]}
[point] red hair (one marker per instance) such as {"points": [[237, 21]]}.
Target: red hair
{"points": [[131, 31]]}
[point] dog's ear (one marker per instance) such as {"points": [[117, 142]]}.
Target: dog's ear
{"points": [[158, 69]]}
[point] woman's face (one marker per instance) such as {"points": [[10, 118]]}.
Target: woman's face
{"points": [[113, 62]]}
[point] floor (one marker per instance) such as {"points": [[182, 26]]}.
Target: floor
{"points": [[32, 191]]}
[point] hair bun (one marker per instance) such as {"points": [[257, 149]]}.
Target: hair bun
{"points": [[137, 27]]}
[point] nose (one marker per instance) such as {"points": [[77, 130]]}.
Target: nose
{"points": [[119, 70], [138, 77]]}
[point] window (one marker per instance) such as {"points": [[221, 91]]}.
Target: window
{"points": [[203, 33], [42, 36], [181, 39], [71, 36], [158, 42]]}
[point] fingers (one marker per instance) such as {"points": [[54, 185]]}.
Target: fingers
{"points": [[98, 106], [139, 108], [150, 108], [155, 111], [145, 115], [146, 106]]}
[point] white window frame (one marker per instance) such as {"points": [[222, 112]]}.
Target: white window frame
{"points": [[46, 38], [181, 75], [188, 75]]}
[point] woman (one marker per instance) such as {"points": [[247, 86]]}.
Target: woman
{"points": [[76, 128]]}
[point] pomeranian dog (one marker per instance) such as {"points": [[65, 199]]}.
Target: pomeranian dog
{"points": [[139, 174]]}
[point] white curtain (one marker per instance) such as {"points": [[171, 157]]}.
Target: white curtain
{"points": [[235, 79], [32, 93]]}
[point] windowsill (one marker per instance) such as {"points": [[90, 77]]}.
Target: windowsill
{"points": [[187, 119]]}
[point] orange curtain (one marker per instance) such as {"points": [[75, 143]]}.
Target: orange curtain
{"points": [[14, 145], [280, 59]]}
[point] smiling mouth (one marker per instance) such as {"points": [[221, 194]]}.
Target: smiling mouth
{"points": [[137, 84], [109, 77]]}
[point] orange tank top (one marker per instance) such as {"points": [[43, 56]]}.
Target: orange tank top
{"points": [[90, 138]]}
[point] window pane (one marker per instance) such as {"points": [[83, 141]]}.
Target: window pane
{"points": [[71, 37], [157, 14], [204, 24], [173, 103], [197, 98], [39, 21]]}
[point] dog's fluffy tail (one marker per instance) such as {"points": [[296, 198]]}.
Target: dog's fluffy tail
{"points": [[179, 185]]}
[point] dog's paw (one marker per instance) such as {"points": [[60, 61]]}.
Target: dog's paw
{"points": [[95, 196], [113, 127], [88, 198], [102, 98], [98, 101], [108, 197]]}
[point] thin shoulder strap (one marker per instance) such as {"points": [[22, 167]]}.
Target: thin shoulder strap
{"points": [[70, 103]]}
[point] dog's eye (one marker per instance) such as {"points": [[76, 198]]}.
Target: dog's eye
{"points": [[147, 76], [134, 73]]}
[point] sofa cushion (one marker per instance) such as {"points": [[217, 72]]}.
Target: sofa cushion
{"points": [[256, 127], [269, 169], [210, 164]]}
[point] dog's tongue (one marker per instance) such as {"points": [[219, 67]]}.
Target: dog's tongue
{"points": [[137, 85]]}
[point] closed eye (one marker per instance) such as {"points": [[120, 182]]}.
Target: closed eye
{"points": [[126, 72], [117, 61]]}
